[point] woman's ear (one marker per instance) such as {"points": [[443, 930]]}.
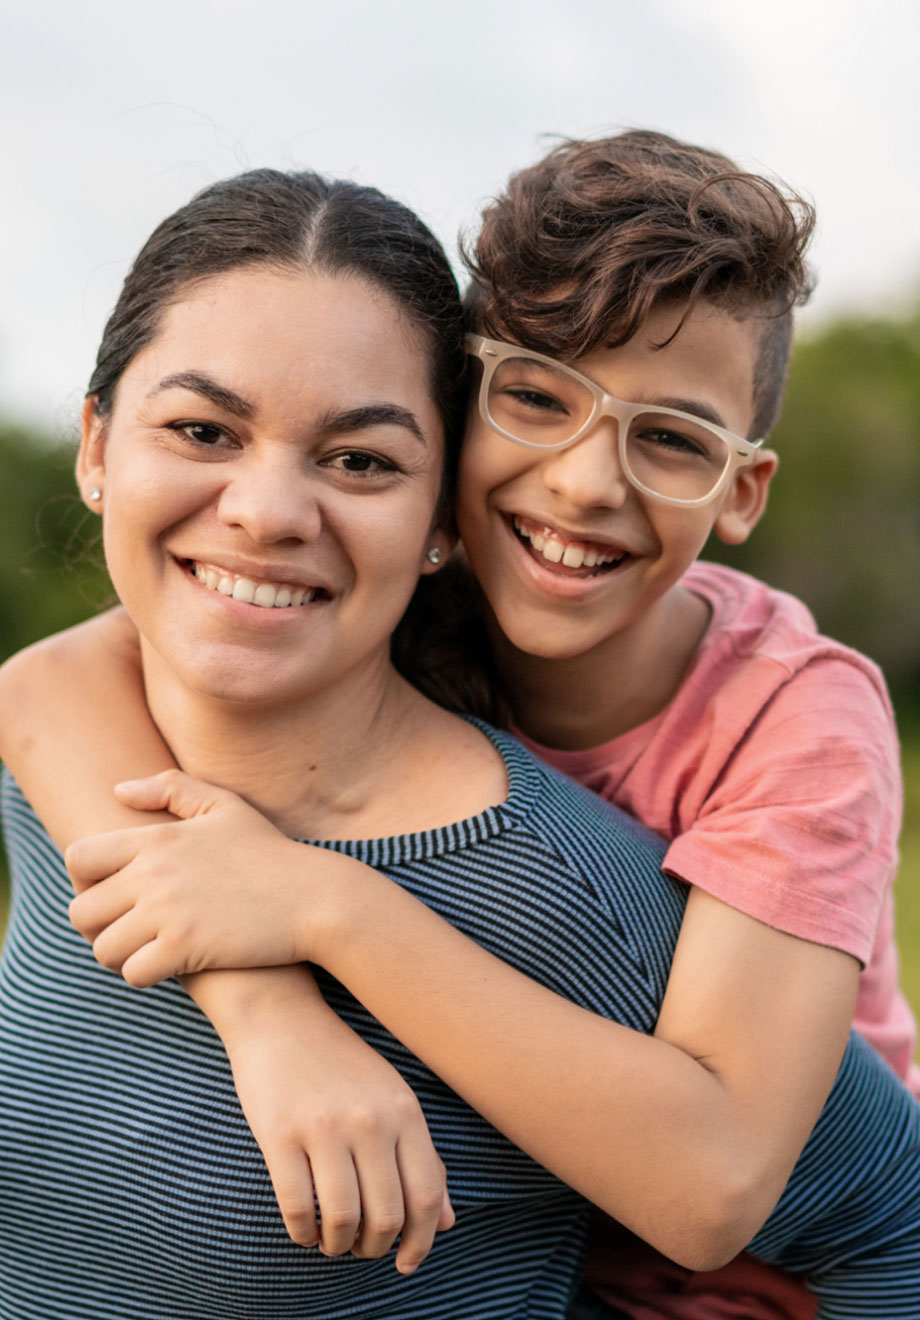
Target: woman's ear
{"points": [[91, 455], [438, 549], [746, 499]]}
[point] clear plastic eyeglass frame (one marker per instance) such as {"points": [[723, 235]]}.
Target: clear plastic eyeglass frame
{"points": [[491, 352]]}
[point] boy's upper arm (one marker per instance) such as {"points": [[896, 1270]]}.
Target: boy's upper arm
{"points": [[768, 1013], [74, 723]]}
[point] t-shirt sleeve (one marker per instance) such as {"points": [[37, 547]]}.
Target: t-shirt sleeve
{"points": [[800, 829]]}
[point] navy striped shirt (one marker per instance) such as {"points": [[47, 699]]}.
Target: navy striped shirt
{"points": [[130, 1186]]}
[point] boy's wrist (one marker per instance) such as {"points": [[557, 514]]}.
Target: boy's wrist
{"points": [[239, 1002]]}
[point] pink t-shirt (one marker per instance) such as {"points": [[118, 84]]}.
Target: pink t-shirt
{"points": [[774, 772]]}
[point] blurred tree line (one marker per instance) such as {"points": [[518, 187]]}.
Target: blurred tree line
{"points": [[842, 530]]}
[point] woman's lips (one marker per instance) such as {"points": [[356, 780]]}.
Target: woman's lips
{"points": [[249, 591]]}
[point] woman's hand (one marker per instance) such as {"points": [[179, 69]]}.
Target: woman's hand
{"points": [[219, 888], [334, 1119]]}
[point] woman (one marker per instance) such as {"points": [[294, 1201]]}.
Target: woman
{"points": [[268, 417], [542, 1143]]}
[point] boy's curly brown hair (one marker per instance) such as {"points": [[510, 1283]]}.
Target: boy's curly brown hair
{"points": [[580, 247]]}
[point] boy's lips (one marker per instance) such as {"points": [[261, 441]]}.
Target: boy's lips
{"points": [[560, 550]]}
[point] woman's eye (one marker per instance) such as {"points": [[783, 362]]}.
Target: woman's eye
{"points": [[206, 434], [362, 464]]}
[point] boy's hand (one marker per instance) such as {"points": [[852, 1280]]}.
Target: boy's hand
{"points": [[335, 1119], [220, 888]]}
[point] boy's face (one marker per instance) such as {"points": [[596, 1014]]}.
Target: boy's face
{"points": [[566, 550]]}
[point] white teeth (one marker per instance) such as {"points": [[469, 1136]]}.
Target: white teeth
{"points": [[264, 594], [244, 590], [570, 554]]}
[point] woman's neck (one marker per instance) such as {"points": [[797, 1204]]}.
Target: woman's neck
{"points": [[585, 700], [311, 766], [363, 759]]}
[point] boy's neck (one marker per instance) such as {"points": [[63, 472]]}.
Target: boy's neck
{"points": [[585, 700]]}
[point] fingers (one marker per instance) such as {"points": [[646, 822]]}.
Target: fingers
{"points": [[101, 855], [292, 1180], [95, 909], [338, 1195], [174, 791], [428, 1208]]}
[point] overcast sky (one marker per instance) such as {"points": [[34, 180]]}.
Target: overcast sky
{"points": [[112, 113]]}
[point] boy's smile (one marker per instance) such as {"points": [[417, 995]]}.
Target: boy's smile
{"points": [[569, 554]]}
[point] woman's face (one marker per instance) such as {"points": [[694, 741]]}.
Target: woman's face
{"points": [[270, 471], [568, 553]]}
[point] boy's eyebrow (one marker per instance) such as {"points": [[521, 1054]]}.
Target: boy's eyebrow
{"points": [[694, 407], [372, 414], [200, 383]]}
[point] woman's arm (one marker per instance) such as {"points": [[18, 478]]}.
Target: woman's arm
{"points": [[688, 1138], [327, 1111]]}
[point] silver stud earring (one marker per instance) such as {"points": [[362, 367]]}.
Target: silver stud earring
{"points": [[434, 555], [94, 494]]}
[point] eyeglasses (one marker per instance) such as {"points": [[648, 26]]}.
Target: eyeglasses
{"points": [[670, 455]]}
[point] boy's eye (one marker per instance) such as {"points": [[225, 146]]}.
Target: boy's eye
{"points": [[672, 442], [536, 399]]}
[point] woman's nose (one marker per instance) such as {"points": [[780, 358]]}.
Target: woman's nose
{"points": [[271, 500], [589, 474]]}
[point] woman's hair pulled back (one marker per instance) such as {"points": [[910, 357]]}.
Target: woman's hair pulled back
{"points": [[297, 221], [580, 248]]}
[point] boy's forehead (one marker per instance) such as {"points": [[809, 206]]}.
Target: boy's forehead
{"points": [[711, 361]]}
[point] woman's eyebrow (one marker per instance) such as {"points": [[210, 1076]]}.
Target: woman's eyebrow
{"points": [[200, 383], [372, 414]]}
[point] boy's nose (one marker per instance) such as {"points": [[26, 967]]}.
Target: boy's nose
{"points": [[270, 502], [589, 474]]}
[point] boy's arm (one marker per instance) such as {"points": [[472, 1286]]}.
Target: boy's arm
{"points": [[354, 1112], [688, 1147]]}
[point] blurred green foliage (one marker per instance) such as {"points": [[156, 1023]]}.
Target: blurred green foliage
{"points": [[842, 532], [52, 574]]}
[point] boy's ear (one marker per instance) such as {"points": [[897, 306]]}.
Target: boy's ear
{"points": [[91, 455], [746, 499]]}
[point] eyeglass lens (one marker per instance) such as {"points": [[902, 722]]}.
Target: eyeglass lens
{"points": [[676, 457]]}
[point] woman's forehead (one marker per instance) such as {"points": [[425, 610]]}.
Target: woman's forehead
{"points": [[266, 333]]}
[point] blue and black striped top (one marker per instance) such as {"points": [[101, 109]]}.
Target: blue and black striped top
{"points": [[131, 1188]]}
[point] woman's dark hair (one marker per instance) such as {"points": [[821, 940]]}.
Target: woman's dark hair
{"points": [[295, 221], [580, 248]]}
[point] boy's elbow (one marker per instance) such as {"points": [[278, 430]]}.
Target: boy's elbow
{"points": [[719, 1224]]}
